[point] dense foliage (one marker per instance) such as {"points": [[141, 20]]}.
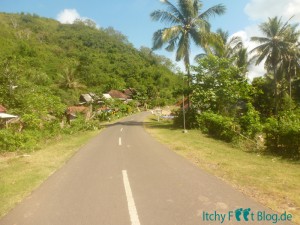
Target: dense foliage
{"points": [[45, 66], [227, 106]]}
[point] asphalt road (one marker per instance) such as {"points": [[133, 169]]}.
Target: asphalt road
{"points": [[122, 177]]}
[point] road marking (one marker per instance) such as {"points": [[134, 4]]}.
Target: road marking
{"points": [[121, 129], [134, 218], [120, 141]]}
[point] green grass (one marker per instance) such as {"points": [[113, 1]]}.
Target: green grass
{"points": [[21, 174], [270, 180]]}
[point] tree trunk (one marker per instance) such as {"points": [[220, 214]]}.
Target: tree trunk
{"points": [[275, 90]]}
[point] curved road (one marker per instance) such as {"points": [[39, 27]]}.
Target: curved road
{"points": [[122, 177]]}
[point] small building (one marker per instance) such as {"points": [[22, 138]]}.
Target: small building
{"points": [[88, 98], [107, 96], [115, 94]]}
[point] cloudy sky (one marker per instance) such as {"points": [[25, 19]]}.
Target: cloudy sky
{"points": [[131, 17]]}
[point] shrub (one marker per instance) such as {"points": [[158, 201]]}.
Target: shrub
{"points": [[13, 141], [250, 122], [218, 126], [283, 134]]}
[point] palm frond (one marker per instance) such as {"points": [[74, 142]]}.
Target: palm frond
{"points": [[186, 8], [173, 10], [183, 50], [213, 11], [200, 56], [165, 17], [157, 41], [260, 40], [171, 33]]}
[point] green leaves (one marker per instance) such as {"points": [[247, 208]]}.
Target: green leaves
{"points": [[188, 24], [219, 86]]}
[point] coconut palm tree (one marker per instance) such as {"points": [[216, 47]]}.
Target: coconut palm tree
{"points": [[229, 48], [68, 80], [272, 48], [187, 22], [290, 64], [225, 46]]}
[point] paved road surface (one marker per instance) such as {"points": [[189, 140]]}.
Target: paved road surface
{"points": [[123, 177]]}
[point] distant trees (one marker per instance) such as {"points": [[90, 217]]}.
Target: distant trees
{"points": [[279, 50]]}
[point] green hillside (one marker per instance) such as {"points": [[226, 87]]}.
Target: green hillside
{"points": [[45, 66], [44, 54]]}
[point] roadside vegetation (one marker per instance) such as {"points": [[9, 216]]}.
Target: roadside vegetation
{"points": [[268, 179], [220, 99], [46, 66], [255, 125]]}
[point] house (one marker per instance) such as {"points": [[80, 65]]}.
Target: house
{"points": [[115, 94], [88, 98]]}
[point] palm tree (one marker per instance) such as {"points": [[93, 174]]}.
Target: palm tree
{"points": [[68, 80], [187, 22], [290, 65], [274, 46], [225, 47]]}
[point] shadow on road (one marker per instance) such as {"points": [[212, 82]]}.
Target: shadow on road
{"points": [[148, 124]]}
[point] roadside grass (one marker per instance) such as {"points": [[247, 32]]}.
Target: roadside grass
{"points": [[20, 174], [270, 180]]}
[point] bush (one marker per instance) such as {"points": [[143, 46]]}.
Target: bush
{"points": [[250, 122], [80, 124], [13, 141], [190, 119], [218, 126], [283, 134]]}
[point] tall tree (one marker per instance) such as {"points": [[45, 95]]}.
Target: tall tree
{"points": [[273, 47], [226, 47], [188, 21], [290, 64]]}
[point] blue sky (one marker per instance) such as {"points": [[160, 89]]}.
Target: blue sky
{"points": [[131, 17]]}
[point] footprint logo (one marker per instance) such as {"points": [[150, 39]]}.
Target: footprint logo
{"points": [[238, 214], [246, 213]]}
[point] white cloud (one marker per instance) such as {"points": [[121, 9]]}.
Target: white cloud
{"points": [[68, 16], [262, 9]]}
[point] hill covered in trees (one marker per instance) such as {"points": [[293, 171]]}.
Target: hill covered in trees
{"points": [[46, 65], [42, 54]]}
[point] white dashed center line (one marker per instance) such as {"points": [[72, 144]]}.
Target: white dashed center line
{"points": [[134, 218], [120, 141]]}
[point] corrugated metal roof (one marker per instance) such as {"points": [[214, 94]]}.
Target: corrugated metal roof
{"points": [[7, 116]]}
